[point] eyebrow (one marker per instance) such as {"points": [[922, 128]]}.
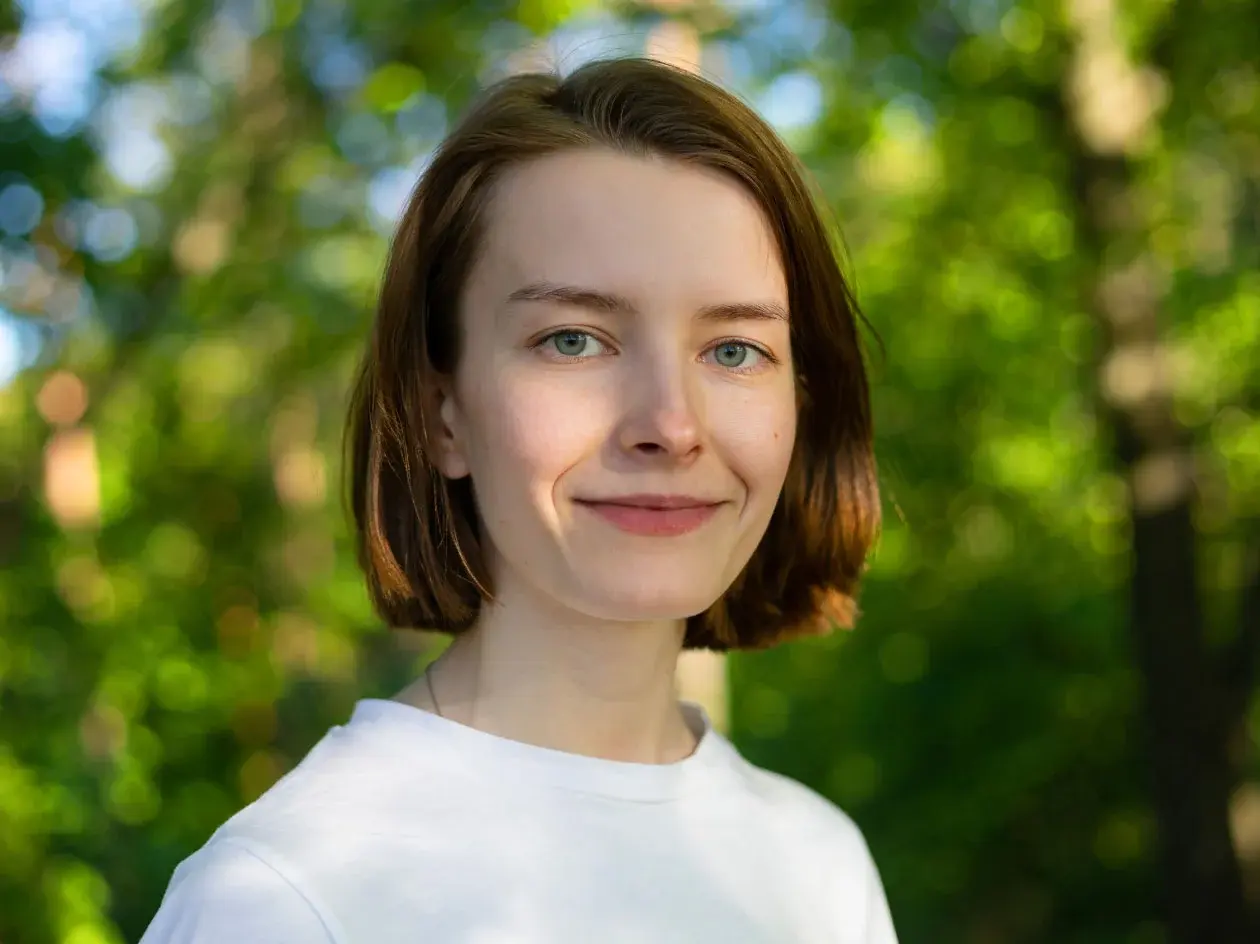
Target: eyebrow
{"points": [[614, 304]]}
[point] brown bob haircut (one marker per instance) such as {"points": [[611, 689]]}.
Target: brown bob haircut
{"points": [[418, 533]]}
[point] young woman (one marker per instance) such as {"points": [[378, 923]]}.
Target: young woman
{"points": [[614, 406]]}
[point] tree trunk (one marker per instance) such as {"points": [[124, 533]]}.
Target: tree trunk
{"points": [[1111, 107], [1200, 881]]}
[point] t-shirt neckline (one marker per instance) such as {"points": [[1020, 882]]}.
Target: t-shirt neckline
{"points": [[477, 751]]}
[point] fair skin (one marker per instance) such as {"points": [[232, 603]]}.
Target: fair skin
{"points": [[668, 374]]}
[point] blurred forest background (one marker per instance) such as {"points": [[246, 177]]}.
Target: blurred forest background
{"points": [[1046, 720]]}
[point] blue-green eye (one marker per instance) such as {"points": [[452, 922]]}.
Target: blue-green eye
{"points": [[573, 344], [737, 355], [731, 354]]}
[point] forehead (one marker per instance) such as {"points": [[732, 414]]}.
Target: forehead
{"points": [[642, 225]]}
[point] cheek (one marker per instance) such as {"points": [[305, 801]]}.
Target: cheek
{"points": [[532, 430], [756, 433]]}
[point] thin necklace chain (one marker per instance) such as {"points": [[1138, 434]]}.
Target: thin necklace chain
{"points": [[428, 678]]}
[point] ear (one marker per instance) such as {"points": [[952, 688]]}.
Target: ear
{"points": [[448, 439]]}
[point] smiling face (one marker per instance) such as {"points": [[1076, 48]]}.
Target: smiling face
{"points": [[624, 401]]}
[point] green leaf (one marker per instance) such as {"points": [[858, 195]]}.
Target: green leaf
{"points": [[390, 86]]}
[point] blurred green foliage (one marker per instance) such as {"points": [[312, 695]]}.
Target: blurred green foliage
{"points": [[192, 235]]}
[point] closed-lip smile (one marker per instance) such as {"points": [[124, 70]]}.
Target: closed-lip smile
{"points": [[653, 515], [653, 501]]}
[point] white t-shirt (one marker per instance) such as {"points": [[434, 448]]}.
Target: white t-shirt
{"points": [[402, 826]]}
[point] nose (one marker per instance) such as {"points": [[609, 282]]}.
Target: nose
{"points": [[662, 418]]}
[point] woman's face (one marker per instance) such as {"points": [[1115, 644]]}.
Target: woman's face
{"points": [[625, 400]]}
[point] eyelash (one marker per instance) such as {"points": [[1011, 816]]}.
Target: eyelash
{"points": [[715, 345]]}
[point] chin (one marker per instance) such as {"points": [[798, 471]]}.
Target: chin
{"points": [[624, 597]]}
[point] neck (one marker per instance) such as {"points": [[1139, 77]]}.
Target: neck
{"points": [[548, 677]]}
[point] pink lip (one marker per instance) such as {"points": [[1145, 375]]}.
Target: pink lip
{"points": [[654, 515]]}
